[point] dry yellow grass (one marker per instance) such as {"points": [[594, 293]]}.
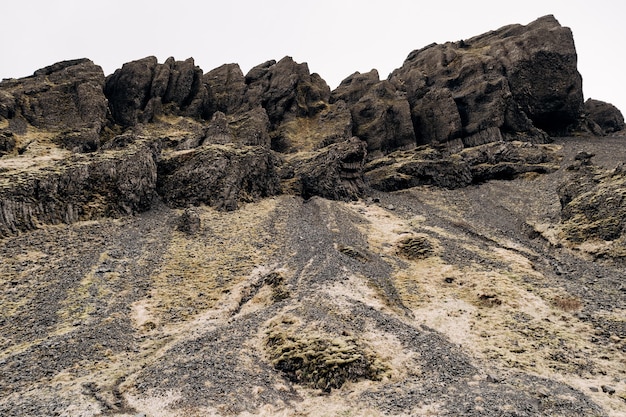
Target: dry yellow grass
{"points": [[198, 270], [495, 314]]}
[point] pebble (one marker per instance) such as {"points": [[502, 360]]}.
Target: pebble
{"points": [[609, 390], [593, 389]]}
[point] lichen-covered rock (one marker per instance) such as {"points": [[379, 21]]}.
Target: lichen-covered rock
{"points": [[189, 221], [296, 134], [83, 187], [608, 117], [508, 160], [334, 172], [144, 88], [424, 166], [286, 88], [65, 96], [593, 206], [7, 143], [382, 118], [429, 166], [228, 87], [518, 79], [320, 360], [221, 176]]}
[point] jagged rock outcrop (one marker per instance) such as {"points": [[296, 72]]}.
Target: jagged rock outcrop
{"points": [[605, 115], [405, 169], [334, 172], [380, 116], [228, 88], [221, 176], [518, 79], [286, 89], [144, 88], [7, 143], [428, 166], [515, 83], [65, 97], [83, 187]]}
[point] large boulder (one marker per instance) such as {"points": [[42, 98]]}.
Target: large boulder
{"points": [[66, 96], [286, 89], [227, 85], [519, 79], [381, 116], [605, 115], [221, 176], [334, 172], [144, 88]]}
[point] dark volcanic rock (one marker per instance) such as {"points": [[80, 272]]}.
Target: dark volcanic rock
{"points": [[331, 125], [517, 79], [64, 96], [189, 222], [429, 166], [228, 87], [423, 166], [382, 118], [144, 88], [605, 115], [508, 160], [221, 176], [7, 143], [250, 128], [286, 88], [592, 206], [353, 88], [104, 184], [334, 172]]}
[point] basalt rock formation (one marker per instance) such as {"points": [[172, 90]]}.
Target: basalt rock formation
{"points": [[446, 241], [515, 83], [608, 117]]}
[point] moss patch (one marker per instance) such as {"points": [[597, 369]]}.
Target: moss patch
{"points": [[416, 247], [318, 359]]}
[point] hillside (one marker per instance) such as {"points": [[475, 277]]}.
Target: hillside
{"points": [[448, 241]]}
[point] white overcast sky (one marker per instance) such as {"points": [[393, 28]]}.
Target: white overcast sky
{"points": [[335, 37]]}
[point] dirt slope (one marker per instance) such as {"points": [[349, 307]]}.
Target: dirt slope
{"points": [[420, 302]]}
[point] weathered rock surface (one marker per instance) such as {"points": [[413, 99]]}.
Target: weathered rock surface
{"points": [[593, 208], [227, 85], [286, 89], [605, 115], [428, 166], [106, 184], [144, 88], [221, 176], [380, 115], [387, 275], [66, 97], [334, 172], [518, 79]]}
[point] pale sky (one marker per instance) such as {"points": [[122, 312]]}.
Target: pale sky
{"points": [[335, 37]]}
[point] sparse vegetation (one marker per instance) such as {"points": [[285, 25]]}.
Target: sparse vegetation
{"points": [[319, 360], [567, 303]]}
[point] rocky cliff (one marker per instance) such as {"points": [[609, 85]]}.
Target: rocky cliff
{"points": [[518, 83], [220, 243]]}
